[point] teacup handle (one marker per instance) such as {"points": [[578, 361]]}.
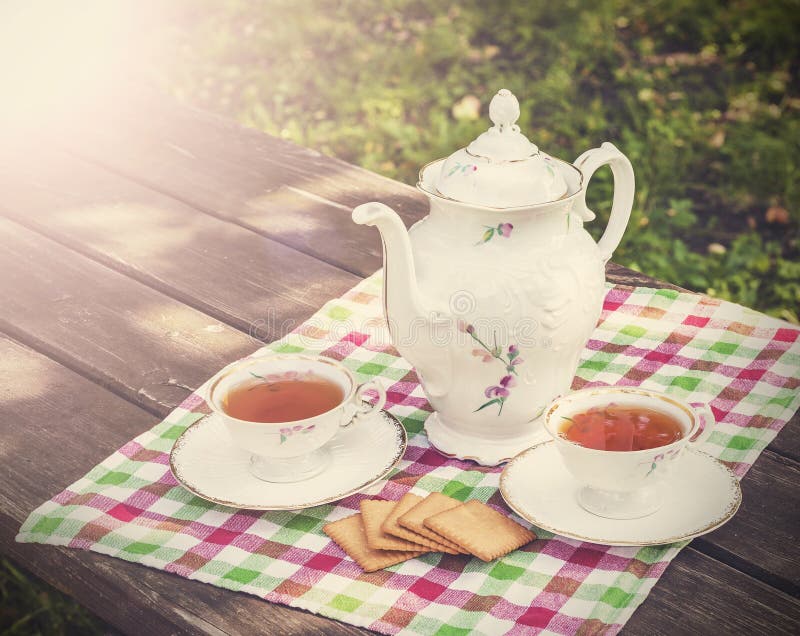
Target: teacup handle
{"points": [[363, 411], [706, 416]]}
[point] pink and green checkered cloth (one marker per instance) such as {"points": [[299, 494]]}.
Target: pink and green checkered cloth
{"points": [[744, 364]]}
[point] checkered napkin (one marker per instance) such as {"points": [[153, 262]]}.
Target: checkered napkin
{"points": [[742, 363]]}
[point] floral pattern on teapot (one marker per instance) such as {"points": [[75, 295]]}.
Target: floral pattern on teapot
{"points": [[462, 168], [497, 393], [502, 229]]}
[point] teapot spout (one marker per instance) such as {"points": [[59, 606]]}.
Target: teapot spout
{"points": [[410, 325], [401, 302]]}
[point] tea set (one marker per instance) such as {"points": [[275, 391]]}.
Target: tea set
{"points": [[491, 298]]}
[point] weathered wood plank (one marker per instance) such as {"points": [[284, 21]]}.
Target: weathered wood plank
{"points": [[244, 279], [59, 425], [698, 595], [620, 275], [761, 539], [288, 193], [787, 443], [139, 342], [56, 424]]}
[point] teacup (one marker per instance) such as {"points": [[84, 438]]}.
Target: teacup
{"points": [[293, 450], [625, 484]]}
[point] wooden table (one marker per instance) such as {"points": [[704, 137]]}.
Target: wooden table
{"points": [[146, 246]]}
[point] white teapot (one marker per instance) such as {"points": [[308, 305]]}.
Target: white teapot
{"points": [[493, 296]]}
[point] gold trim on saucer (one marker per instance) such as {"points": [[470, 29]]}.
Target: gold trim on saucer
{"points": [[401, 437], [712, 525]]}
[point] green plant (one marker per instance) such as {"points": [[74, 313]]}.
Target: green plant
{"points": [[702, 97], [29, 607]]}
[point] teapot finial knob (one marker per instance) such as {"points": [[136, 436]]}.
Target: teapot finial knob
{"points": [[504, 110], [503, 141]]}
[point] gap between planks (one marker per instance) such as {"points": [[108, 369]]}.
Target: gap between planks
{"points": [[229, 319], [753, 570], [146, 183], [95, 376], [138, 270]]}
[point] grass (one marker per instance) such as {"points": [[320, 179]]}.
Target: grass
{"points": [[30, 607], [702, 96]]}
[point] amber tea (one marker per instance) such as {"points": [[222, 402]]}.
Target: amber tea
{"points": [[283, 400], [621, 428]]}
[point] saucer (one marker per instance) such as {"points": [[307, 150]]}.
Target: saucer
{"points": [[702, 495], [207, 463]]}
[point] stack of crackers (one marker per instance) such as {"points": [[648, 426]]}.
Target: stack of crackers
{"points": [[385, 533]]}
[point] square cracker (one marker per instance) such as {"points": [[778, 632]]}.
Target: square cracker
{"points": [[349, 534], [373, 514], [480, 529], [390, 526], [434, 503]]}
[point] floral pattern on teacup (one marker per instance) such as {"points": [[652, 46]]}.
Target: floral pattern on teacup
{"points": [[288, 431], [660, 458]]}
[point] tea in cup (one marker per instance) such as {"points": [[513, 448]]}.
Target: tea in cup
{"points": [[623, 443], [283, 409]]}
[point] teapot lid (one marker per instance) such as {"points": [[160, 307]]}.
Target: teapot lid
{"points": [[501, 168]]}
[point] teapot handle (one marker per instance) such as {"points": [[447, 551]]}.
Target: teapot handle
{"points": [[622, 170]]}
